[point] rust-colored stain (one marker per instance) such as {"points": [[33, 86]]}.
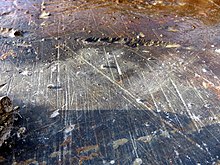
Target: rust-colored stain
{"points": [[211, 86], [87, 149], [86, 158], [8, 54], [67, 141]]}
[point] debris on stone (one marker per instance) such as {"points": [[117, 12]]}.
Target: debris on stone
{"points": [[55, 114], [10, 32], [119, 142], [44, 15], [53, 86], [217, 51], [172, 45], [6, 119]]}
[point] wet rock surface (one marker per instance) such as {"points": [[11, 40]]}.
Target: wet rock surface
{"points": [[110, 82]]}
